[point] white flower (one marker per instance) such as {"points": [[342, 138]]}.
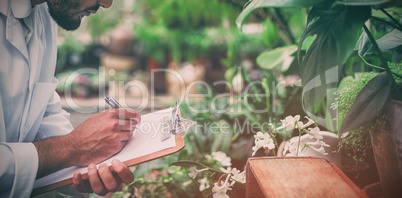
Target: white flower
{"points": [[220, 191], [222, 158], [238, 83], [187, 183], [291, 147], [310, 122], [262, 140], [321, 145], [238, 176], [314, 133], [228, 170], [194, 172], [290, 123], [204, 184], [344, 135]]}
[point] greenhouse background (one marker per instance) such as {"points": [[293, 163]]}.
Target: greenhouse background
{"points": [[235, 82]]}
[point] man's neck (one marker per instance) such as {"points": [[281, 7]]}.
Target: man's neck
{"points": [[36, 2]]}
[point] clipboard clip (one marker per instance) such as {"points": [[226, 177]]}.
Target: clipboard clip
{"points": [[175, 121], [177, 125]]}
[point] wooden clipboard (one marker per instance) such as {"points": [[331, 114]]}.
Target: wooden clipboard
{"points": [[180, 143]]}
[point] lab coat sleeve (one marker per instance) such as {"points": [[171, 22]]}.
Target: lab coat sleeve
{"points": [[56, 121], [18, 169]]}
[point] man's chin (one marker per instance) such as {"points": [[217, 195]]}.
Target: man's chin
{"points": [[66, 22], [69, 24]]}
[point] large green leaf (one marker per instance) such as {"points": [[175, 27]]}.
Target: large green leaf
{"points": [[270, 34], [337, 30], [362, 2], [389, 41], [368, 103], [275, 58], [272, 3]]}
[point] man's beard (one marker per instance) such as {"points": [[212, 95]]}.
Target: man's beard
{"points": [[59, 11]]}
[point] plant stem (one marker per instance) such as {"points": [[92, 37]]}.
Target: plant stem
{"points": [[392, 18], [377, 67], [384, 63], [298, 144], [284, 25], [283, 31], [387, 23]]}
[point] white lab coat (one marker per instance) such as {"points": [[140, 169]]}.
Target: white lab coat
{"points": [[29, 106]]}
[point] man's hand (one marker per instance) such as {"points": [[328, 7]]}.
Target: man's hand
{"points": [[103, 135], [105, 179], [98, 138]]}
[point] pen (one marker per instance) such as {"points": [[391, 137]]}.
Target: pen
{"points": [[114, 104]]}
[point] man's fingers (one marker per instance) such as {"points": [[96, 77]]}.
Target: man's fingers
{"points": [[95, 181], [128, 114], [124, 136], [127, 125], [122, 171], [107, 177], [79, 184]]}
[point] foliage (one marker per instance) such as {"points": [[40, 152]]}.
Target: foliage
{"points": [[336, 26], [357, 141], [181, 31], [104, 20], [71, 45], [190, 14]]}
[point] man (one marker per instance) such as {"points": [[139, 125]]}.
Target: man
{"points": [[36, 137]]}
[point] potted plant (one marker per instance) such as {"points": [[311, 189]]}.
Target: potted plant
{"points": [[336, 28]]}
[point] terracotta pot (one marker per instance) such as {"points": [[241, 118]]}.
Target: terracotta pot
{"points": [[395, 115], [386, 160]]}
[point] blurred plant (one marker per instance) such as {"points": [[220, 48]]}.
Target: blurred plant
{"points": [[104, 20], [187, 179], [185, 30], [74, 83], [71, 47], [225, 178]]}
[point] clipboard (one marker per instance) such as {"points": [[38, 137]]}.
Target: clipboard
{"points": [[64, 177]]}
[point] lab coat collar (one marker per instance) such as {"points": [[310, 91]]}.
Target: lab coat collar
{"points": [[20, 8], [15, 10]]}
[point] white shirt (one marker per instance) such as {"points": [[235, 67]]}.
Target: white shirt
{"points": [[29, 106]]}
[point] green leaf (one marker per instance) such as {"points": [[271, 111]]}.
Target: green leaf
{"points": [[188, 164], [337, 31], [387, 42], [270, 34], [361, 2], [146, 167], [222, 140], [230, 73], [308, 41], [275, 58], [368, 103], [272, 3], [297, 22]]}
